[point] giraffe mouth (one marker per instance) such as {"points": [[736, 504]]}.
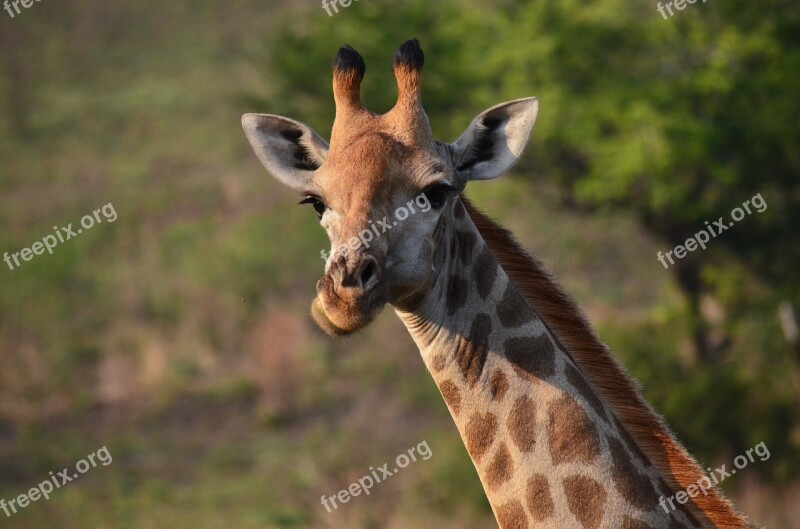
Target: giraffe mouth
{"points": [[346, 310]]}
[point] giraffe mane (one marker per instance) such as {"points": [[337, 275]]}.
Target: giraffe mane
{"points": [[567, 322]]}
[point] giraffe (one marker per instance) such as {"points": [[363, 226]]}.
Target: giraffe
{"points": [[557, 430]]}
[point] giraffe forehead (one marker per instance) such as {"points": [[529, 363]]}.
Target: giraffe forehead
{"points": [[370, 170], [367, 160]]}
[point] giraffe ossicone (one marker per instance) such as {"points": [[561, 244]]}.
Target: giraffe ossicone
{"points": [[557, 430]]}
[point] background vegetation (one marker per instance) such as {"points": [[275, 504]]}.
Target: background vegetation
{"points": [[178, 336]]}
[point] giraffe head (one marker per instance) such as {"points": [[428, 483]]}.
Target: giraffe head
{"points": [[384, 189]]}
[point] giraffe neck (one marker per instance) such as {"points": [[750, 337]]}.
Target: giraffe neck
{"points": [[547, 448]]}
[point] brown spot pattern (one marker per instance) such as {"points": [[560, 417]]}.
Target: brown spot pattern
{"points": [[457, 290], [471, 353], [438, 362], [533, 358], [573, 438], [452, 395], [498, 385], [537, 496], [633, 523], [513, 310], [480, 432], [500, 469], [522, 423], [586, 499], [633, 485], [485, 272], [580, 383], [466, 244], [512, 516]]}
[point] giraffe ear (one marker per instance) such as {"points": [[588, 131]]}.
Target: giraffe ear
{"points": [[290, 150], [494, 140]]}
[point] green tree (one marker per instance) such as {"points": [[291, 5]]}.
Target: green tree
{"points": [[678, 121]]}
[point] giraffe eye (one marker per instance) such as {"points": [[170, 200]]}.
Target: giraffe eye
{"points": [[318, 205], [437, 194]]}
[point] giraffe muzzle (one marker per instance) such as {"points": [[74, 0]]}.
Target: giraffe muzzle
{"points": [[349, 296]]}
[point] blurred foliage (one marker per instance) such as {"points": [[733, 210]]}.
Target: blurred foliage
{"points": [[178, 334]]}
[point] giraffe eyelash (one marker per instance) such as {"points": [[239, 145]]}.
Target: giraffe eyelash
{"points": [[318, 205]]}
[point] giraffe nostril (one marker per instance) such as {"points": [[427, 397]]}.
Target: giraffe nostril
{"points": [[364, 274], [367, 273]]}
